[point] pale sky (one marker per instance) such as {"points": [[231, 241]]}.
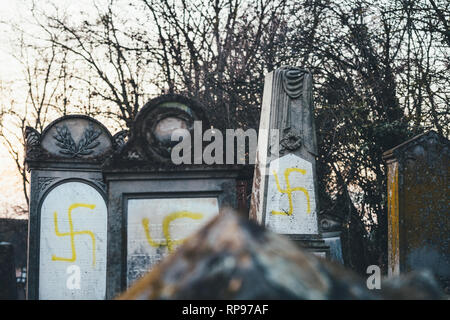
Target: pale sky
{"points": [[10, 182], [17, 12]]}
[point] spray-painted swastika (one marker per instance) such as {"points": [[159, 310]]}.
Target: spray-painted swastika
{"points": [[73, 233], [169, 242], [289, 191]]}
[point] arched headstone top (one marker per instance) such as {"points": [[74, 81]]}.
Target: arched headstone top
{"points": [[150, 138], [72, 137], [428, 146]]}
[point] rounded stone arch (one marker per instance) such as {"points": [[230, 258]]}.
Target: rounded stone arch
{"points": [[66, 180], [159, 117], [76, 136]]}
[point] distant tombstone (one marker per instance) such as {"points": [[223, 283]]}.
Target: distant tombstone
{"points": [[154, 204], [68, 215], [331, 230], [418, 206], [284, 194], [8, 286]]}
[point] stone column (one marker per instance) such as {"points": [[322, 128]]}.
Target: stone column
{"points": [[284, 195]]}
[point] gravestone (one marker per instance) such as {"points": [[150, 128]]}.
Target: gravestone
{"points": [[331, 229], [154, 204], [68, 212], [8, 287], [418, 206], [284, 194]]}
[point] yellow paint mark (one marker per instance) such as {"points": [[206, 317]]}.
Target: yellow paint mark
{"points": [[289, 191], [166, 224], [72, 233], [393, 218]]}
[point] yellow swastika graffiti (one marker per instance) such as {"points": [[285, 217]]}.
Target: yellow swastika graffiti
{"points": [[73, 233], [166, 224], [289, 191]]}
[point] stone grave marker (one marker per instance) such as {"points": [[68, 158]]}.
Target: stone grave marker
{"points": [[284, 194], [8, 286], [154, 204], [418, 206], [68, 212]]}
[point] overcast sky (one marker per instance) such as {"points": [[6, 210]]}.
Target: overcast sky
{"points": [[18, 12], [10, 181]]}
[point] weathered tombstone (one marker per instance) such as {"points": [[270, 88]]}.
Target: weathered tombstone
{"points": [[331, 229], [284, 194], [15, 232], [418, 206], [8, 287], [153, 203], [68, 212]]}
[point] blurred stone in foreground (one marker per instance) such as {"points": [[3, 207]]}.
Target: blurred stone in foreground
{"points": [[233, 258]]}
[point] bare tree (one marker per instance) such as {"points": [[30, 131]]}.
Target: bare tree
{"points": [[218, 52], [381, 77], [113, 66]]}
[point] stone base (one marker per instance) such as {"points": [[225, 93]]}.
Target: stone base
{"points": [[333, 240], [312, 243]]}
